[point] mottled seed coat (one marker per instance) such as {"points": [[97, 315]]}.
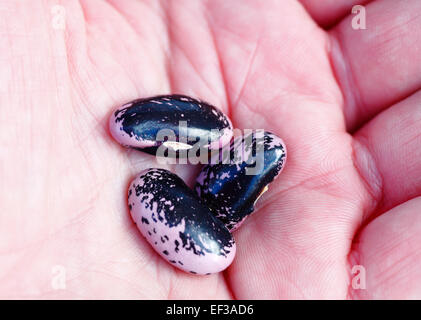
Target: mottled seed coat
{"points": [[227, 188], [177, 224], [186, 122]]}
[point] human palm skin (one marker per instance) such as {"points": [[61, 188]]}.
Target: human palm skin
{"points": [[345, 101]]}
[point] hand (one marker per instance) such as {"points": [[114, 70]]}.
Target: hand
{"points": [[345, 101]]}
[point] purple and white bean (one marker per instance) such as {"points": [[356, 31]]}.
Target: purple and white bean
{"points": [[233, 184], [178, 225], [173, 122]]}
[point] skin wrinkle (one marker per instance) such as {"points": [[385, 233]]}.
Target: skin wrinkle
{"points": [[303, 253], [387, 244], [225, 277], [114, 276], [170, 289], [70, 58], [223, 280], [280, 191], [396, 119], [75, 220], [19, 264], [302, 256], [354, 256], [203, 77], [369, 173], [345, 79], [249, 67], [169, 51], [395, 271], [134, 29], [192, 64], [221, 68], [72, 65], [417, 137], [140, 91], [55, 42]]}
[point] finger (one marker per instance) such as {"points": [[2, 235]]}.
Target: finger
{"points": [[329, 12], [389, 250], [194, 58], [143, 68], [388, 153], [380, 65]]}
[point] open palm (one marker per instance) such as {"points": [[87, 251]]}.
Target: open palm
{"points": [[345, 102]]}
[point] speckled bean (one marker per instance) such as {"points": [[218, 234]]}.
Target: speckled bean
{"points": [[228, 191], [138, 123], [177, 224]]}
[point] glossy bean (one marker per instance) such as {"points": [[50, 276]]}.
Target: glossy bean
{"points": [[177, 224], [231, 189], [175, 123]]}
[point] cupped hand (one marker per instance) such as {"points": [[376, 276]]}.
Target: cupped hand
{"points": [[342, 221]]}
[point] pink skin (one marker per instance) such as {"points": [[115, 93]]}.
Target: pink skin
{"points": [[209, 263], [343, 199]]}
